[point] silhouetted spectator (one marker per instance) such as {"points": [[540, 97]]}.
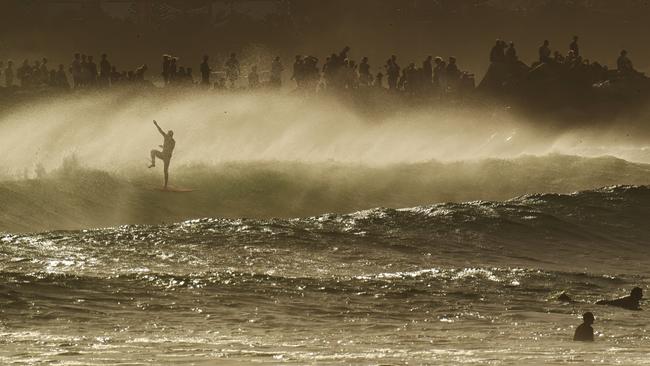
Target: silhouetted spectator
{"points": [[104, 72], [393, 71], [232, 69], [166, 65], [365, 78], [85, 73], [75, 70], [624, 64], [298, 71], [511, 54], [574, 46], [253, 78], [452, 75], [189, 78], [379, 81], [545, 53], [205, 72], [439, 71], [427, 71], [496, 54], [139, 73], [276, 72], [173, 70], [43, 71], [60, 78], [24, 73], [92, 72], [36, 77]]}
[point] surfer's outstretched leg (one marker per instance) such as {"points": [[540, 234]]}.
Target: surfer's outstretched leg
{"points": [[166, 170]]}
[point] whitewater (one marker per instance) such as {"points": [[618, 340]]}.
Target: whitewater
{"points": [[319, 231]]}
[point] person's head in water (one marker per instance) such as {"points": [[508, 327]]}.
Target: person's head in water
{"points": [[546, 43], [170, 133], [588, 318], [636, 293]]}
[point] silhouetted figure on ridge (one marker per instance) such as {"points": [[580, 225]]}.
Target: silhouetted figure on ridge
{"points": [[427, 71], [166, 64], [379, 81], [173, 70], [545, 53], [205, 72], [624, 64], [574, 46], [75, 70], [584, 332], [60, 78], [24, 72], [276, 72], [104, 72], [393, 71], [138, 75], [36, 77], [85, 72], [167, 149], [630, 302], [365, 78], [511, 54], [497, 53], [189, 78], [232, 69], [439, 72], [44, 71], [297, 75], [452, 70], [253, 78]]}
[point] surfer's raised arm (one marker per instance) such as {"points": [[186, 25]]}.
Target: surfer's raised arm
{"points": [[159, 129]]}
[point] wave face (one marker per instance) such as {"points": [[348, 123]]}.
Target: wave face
{"points": [[78, 197], [379, 285]]}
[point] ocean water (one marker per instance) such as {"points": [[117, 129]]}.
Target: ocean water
{"points": [[442, 284], [316, 234]]}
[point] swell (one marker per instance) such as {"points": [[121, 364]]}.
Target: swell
{"points": [[555, 231], [76, 197]]}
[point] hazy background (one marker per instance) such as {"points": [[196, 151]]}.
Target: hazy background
{"points": [[135, 32]]}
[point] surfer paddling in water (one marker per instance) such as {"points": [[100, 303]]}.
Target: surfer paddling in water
{"points": [[167, 148]]}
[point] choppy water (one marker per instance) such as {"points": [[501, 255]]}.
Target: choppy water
{"points": [[442, 284]]}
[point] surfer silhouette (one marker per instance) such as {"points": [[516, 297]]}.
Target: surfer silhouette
{"points": [[630, 302], [584, 332], [167, 148]]}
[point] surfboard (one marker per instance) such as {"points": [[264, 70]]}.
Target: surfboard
{"points": [[174, 189]]}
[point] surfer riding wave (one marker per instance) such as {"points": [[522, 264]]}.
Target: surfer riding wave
{"points": [[167, 149]]}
